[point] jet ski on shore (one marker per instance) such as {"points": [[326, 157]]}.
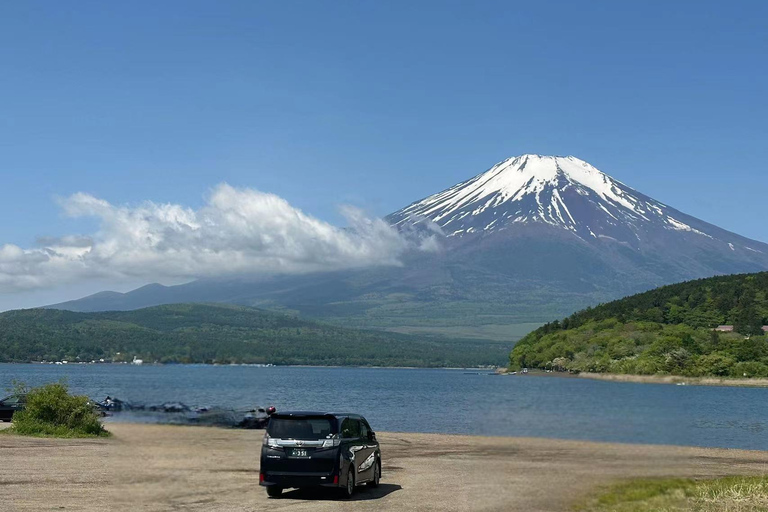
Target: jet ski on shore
{"points": [[110, 404]]}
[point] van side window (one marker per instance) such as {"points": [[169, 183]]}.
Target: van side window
{"points": [[350, 428], [363, 430]]}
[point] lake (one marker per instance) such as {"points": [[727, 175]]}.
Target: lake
{"points": [[443, 401]]}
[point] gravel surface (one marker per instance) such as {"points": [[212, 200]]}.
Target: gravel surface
{"points": [[160, 467]]}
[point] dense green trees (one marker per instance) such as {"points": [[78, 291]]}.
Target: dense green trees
{"points": [[200, 333], [667, 330]]}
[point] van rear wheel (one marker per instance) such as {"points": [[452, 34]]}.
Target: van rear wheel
{"points": [[274, 491]]}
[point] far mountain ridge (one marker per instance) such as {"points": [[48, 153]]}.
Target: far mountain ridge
{"points": [[529, 240], [220, 333]]}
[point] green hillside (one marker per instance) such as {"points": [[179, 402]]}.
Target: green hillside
{"points": [[668, 330], [201, 333]]}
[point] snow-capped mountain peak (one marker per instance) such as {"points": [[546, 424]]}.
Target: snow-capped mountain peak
{"points": [[561, 191], [515, 177]]}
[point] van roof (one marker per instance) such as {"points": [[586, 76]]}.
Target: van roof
{"points": [[317, 413]]}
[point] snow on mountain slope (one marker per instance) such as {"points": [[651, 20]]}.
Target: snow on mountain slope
{"points": [[565, 192]]}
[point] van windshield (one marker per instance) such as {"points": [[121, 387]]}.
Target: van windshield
{"points": [[300, 428]]}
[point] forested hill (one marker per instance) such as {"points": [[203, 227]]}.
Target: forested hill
{"points": [[666, 330], [202, 333]]}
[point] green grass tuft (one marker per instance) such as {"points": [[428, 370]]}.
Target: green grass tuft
{"points": [[732, 494]]}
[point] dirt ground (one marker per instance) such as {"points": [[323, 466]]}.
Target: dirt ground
{"points": [[152, 467]]}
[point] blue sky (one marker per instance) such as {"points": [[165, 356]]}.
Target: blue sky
{"points": [[373, 104]]}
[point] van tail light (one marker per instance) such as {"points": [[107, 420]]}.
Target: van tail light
{"points": [[261, 478], [331, 443], [335, 479], [268, 441]]}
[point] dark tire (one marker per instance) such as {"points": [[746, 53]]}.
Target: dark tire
{"points": [[274, 491], [376, 475], [349, 489]]}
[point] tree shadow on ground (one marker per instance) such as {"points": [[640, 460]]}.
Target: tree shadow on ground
{"points": [[363, 493]]}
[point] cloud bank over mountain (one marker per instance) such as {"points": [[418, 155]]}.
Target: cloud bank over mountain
{"points": [[237, 231]]}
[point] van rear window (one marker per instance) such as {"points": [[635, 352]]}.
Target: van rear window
{"points": [[300, 428]]}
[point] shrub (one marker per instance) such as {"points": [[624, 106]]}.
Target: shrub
{"points": [[750, 369], [717, 363], [52, 411], [626, 366]]}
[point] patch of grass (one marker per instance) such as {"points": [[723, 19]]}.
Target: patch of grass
{"points": [[52, 412], [732, 494]]}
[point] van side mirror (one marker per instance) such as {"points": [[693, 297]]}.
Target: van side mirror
{"points": [[371, 435]]}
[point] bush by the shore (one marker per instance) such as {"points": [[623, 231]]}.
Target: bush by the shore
{"points": [[51, 411]]}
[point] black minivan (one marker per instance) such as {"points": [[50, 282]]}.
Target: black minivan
{"points": [[10, 405], [316, 449]]}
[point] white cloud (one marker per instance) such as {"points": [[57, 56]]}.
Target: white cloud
{"points": [[238, 231]]}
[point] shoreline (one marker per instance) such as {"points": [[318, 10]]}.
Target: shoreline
{"points": [[677, 380], [469, 438]]}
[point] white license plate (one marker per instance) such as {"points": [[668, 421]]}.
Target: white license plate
{"points": [[299, 452]]}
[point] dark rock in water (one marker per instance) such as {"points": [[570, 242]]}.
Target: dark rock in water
{"points": [[178, 413], [170, 407]]}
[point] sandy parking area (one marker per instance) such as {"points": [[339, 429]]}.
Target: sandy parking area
{"points": [[151, 467]]}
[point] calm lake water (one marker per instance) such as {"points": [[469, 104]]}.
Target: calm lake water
{"points": [[446, 401]]}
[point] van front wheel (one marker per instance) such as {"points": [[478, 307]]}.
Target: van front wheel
{"points": [[349, 489], [376, 475]]}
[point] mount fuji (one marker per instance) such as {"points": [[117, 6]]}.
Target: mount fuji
{"points": [[531, 239], [563, 192]]}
